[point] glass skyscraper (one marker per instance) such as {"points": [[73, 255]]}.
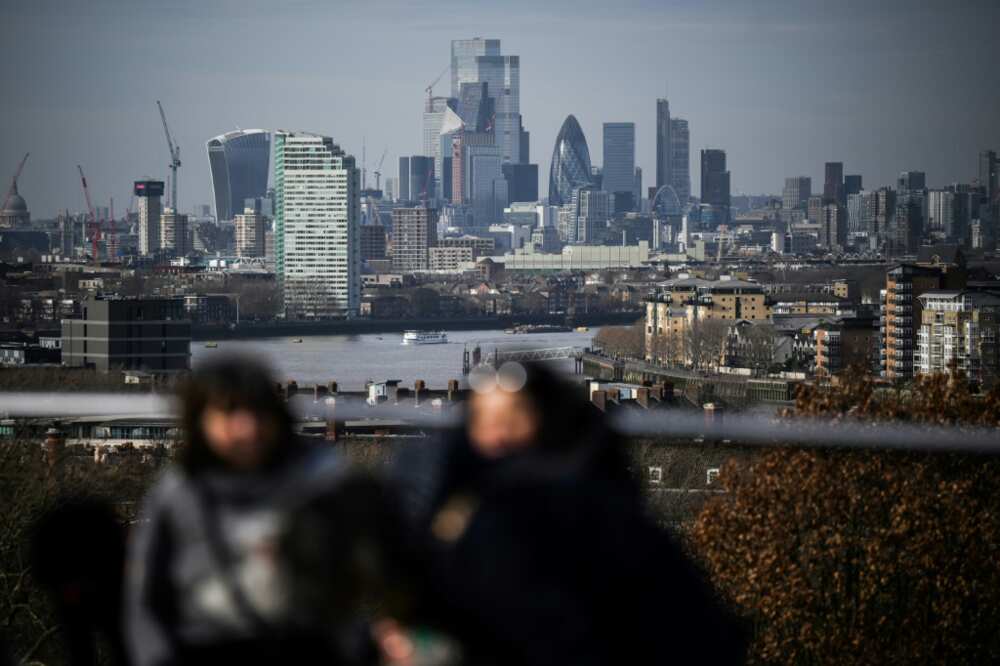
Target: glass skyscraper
{"points": [[570, 167], [619, 163], [680, 159], [239, 162]]}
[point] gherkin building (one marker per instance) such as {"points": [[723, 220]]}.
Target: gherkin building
{"points": [[570, 166]]}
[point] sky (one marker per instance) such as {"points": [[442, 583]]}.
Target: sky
{"points": [[781, 86]]}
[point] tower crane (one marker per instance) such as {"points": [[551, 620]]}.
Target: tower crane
{"points": [[13, 183], [430, 88], [175, 157], [378, 169], [95, 229]]}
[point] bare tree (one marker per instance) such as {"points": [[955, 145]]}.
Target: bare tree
{"points": [[704, 341]]}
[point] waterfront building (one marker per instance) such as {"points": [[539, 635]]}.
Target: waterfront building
{"points": [[316, 224], [128, 334], [960, 329], [239, 163], [414, 231], [249, 228]]}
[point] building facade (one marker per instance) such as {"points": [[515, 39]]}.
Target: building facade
{"points": [[795, 195], [174, 233], [239, 162], [316, 226], [959, 329], [414, 232], [150, 195], [249, 228], [619, 164], [128, 334]]}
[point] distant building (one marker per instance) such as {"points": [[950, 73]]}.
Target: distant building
{"points": [[128, 334], [715, 183], [619, 164], [373, 245], [15, 214], [852, 184], [403, 193], [436, 110], [844, 344], [316, 224], [796, 194], [522, 181], [249, 229], [664, 163], [960, 327], [833, 223], [239, 162], [570, 167], [680, 159], [150, 194], [174, 233], [833, 183], [414, 231], [421, 179]]}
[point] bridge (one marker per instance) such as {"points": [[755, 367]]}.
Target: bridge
{"points": [[497, 356]]}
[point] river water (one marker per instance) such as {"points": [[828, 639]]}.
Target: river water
{"points": [[353, 360]]}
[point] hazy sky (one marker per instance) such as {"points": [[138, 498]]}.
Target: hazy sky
{"points": [[782, 87]]}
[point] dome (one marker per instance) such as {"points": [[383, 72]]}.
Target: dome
{"points": [[16, 205], [570, 167]]}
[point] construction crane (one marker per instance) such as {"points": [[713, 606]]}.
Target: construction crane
{"points": [[95, 229], [13, 183], [175, 157], [378, 169], [430, 89]]}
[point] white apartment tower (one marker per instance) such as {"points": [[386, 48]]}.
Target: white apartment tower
{"points": [[150, 195], [249, 228], [316, 226]]}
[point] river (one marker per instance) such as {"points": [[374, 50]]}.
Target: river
{"points": [[353, 360]]}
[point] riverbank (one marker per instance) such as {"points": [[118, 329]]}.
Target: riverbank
{"points": [[275, 329]]}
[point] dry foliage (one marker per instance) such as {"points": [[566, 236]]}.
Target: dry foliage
{"points": [[864, 557]]}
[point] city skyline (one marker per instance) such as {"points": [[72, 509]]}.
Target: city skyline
{"points": [[784, 90]]}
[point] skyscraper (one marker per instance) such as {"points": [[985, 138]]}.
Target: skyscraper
{"points": [[988, 169], [479, 61], [833, 183], [715, 183], [910, 181], [437, 110], [316, 226], [421, 178], [796, 194], [404, 179], [239, 163], [150, 194], [174, 233], [570, 167], [522, 181], [680, 159], [619, 164], [664, 164], [852, 184]]}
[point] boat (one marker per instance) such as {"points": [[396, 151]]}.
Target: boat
{"points": [[538, 328], [424, 338], [583, 329], [297, 340], [211, 345]]}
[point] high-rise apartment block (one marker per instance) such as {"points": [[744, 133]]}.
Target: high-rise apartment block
{"points": [[316, 224], [414, 231], [249, 228], [150, 195], [174, 233], [960, 329]]}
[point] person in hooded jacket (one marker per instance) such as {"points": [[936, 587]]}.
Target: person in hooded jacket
{"points": [[208, 578], [535, 543]]}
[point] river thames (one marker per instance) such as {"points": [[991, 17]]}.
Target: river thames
{"points": [[353, 360]]}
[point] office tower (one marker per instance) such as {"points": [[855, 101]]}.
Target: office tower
{"points": [[316, 220], [833, 228], [885, 211], [833, 183], [906, 228], [814, 209], [390, 189], [911, 181], [663, 162], [941, 212], [239, 163], [570, 167], [988, 174], [619, 164], [475, 106], [680, 159], [796, 194], [373, 245], [437, 110], [522, 181], [404, 179], [638, 188], [852, 184], [249, 228], [479, 61], [593, 209], [860, 206], [421, 178], [484, 189], [174, 233], [414, 231], [715, 183], [150, 194]]}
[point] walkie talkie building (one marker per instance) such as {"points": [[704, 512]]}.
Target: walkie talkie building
{"points": [[239, 162]]}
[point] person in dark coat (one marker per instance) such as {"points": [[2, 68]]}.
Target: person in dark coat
{"points": [[537, 547], [210, 578]]}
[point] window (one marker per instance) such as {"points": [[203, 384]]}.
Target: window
{"points": [[656, 475], [711, 475]]}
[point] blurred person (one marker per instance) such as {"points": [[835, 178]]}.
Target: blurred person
{"points": [[212, 571], [85, 588], [536, 545]]}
